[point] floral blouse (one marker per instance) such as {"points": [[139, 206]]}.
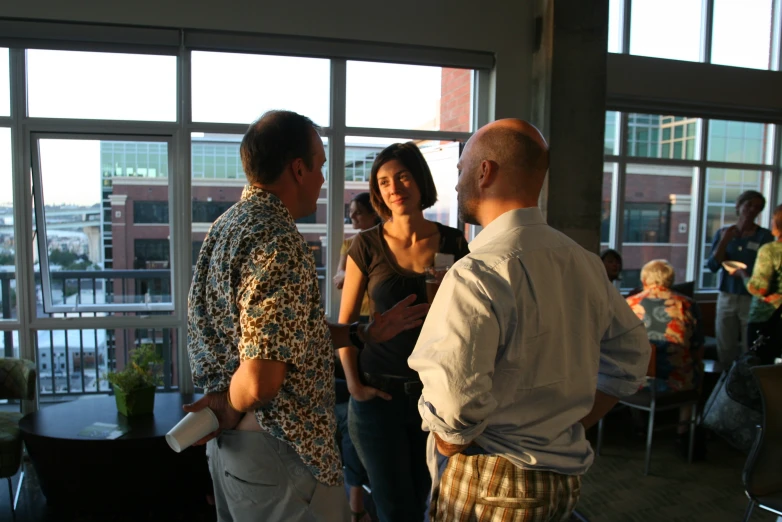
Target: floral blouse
{"points": [[672, 324]]}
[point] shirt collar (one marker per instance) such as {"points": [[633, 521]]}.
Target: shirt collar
{"points": [[258, 195], [511, 219]]}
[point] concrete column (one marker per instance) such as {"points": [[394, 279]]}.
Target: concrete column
{"points": [[569, 88]]}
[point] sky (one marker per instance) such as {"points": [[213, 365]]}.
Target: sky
{"points": [[236, 88], [227, 88]]}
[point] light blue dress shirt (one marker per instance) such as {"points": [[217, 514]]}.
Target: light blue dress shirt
{"points": [[522, 332]]}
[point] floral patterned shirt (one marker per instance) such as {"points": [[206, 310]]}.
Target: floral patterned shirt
{"points": [[672, 325], [765, 285], [255, 296]]}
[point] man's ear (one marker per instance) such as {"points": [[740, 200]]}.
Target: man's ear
{"points": [[297, 169], [487, 174]]}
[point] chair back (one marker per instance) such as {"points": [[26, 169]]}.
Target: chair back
{"points": [[17, 379], [762, 470], [651, 371]]}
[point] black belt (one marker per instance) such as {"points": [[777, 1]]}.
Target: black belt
{"points": [[393, 383]]}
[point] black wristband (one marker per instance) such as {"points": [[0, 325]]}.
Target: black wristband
{"points": [[354, 338]]}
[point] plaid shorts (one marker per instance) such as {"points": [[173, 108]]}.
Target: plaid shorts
{"points": [[488, 488]]}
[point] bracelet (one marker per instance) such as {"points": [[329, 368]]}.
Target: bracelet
{"points": [[353, 334]]}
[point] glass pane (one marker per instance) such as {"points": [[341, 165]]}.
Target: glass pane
{"points": [[103, 86], [739, 142], [107, 221], [247, 85], [5, 84], [655, 136], [656, 219], [77, 361], [614, 25], [9, 344], [397, 96], [8, 308], [723, 187], [666, 29], [742, 33], [611, 138], [217, 183]]}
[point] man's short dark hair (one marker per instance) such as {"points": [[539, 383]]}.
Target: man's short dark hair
{"points": [[409, 155], [272, 142]]}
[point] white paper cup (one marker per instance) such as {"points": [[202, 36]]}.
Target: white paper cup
{"points": [[731, 266], [193, 427]]}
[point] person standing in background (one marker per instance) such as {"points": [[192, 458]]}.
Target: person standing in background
{"points": [[737, 242]]}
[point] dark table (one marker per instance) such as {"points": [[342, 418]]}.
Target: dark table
{"points": [[137, 470]]}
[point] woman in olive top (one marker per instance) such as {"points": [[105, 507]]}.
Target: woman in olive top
{"points": [[388, 261], [738, 242], [765, 285]]}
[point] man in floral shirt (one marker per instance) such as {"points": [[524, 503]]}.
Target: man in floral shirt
{"points": [[259, 343]]}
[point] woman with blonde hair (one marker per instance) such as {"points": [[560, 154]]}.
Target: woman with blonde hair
{"points": [[673, 325]]}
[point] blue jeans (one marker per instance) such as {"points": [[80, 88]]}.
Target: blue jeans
{"points": [[392, 446]]}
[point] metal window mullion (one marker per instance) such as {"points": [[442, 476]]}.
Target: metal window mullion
{"points": [[618, 187], [411, 134], [335, 224], [626, 21], [22, 211], [707, 30], [776, 171], [481, 96], [182, 224], [775, 55], [696, 237], [66, 126]]}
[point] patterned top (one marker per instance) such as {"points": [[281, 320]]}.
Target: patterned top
{"points": [[766, 280], [255, 296], [672, 324]]}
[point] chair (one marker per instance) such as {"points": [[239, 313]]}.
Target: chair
{"points": [[651, 401], [17, 381], [762, 478]]}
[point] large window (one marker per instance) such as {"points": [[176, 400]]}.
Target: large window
{"points": [[5, 97], [101, 86], [247, 85], [741, 33], [113, 237], [662, 171], [94, 198], [408, 97]]}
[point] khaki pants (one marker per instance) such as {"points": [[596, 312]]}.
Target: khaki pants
{"points": [[731, 326], [488, 488], [258, 478]]}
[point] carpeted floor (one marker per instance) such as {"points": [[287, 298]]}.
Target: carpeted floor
{"points": [[615, 489]]}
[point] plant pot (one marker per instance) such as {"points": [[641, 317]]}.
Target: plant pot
{"points": [[136, 402]]}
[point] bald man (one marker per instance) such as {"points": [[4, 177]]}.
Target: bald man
{"points": [[526, 345]]}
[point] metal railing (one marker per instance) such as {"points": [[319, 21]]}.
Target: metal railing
{"points": [[75, 362]]}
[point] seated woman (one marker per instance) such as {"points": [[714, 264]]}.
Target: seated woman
{"points": [[673, 326]]}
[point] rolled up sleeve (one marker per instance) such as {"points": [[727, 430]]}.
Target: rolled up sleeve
{"points": [[624, 351], [455, 357]]}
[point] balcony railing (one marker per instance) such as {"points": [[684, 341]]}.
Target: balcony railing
{"points": [[75, 362]]}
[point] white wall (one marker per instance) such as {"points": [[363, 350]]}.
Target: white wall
{"points": [[502, 27]]}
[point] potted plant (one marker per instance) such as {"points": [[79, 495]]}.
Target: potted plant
{"points": [[134, 387]]}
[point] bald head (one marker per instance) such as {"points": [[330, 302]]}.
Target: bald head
{"points": [[520, 152], [504, 165]]}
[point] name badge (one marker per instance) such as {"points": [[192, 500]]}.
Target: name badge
{"points": [[752, 245]]}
